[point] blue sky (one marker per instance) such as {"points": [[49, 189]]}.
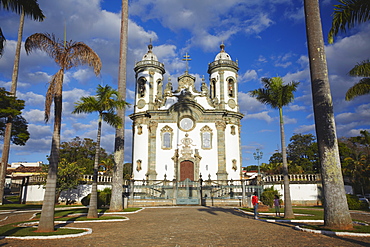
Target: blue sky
{"points": [[267, 38]]}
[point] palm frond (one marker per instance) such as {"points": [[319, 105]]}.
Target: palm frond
{"points": [[30, 7], [360, 88], [112, 119], [47, 43], [86, 105], [81, 54], [347, 14], [361, 69]]}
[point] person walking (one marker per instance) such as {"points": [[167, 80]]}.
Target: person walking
{"points": [[255, 205], [277, 205]]}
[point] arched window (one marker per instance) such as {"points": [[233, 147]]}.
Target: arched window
{"points": [[231, 88], [206, 136], [166, 137], [166, 140], [141, 87], [159, 88], [213, 88]]}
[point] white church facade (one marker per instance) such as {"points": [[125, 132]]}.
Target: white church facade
{"points": [[186, 133]]}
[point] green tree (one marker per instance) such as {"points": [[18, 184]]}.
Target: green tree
{"points": [[356, 161], [11, 107], [105, 103], [69, 176], [302, 151], [82, 152], [346, 15], [116, 203], [277, 95], [67, 55], [336, 214], [31, 9], [127, 170]]}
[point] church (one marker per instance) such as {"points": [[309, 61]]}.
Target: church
{"points": [[186, 133]]}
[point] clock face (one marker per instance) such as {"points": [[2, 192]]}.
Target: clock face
{"points": [[186, 124]]}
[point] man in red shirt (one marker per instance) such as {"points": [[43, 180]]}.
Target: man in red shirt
{"points": [[255, 204]]}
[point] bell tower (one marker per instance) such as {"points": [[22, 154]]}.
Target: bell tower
{"points": [[149, 82], [223, 77]]}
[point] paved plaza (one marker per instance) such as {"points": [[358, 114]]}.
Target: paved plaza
{"points": [[189, 226]]}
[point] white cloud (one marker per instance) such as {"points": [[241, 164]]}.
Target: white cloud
{"points": [[261, 116], [248, 76], [304, 128], [249, 104], [34, 116]]}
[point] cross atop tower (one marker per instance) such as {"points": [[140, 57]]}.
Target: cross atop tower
{"points": [[187, 59]]}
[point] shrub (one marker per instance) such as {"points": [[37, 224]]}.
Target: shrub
{"points": [[267, 197], [103, 198], [354, 203]]}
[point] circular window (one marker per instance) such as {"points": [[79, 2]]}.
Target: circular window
{"points": [[186, 124]]}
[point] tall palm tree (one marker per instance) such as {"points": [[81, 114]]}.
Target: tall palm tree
{"points": [[24, 8], [105, 103], [336, 214], [67, 55], [345, 16], [116, 202], [277, 95]]}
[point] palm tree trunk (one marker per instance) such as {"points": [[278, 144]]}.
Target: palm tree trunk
{"points": [[116, 202], [336, 214], [93, 207], [288, 210], [48, 206], [13, 91]]}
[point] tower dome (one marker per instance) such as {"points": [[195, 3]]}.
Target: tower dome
{"points": [[150, 55], [222, 55]]}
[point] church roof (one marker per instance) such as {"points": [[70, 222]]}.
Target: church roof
{"points": [[222, 55], [150, 55]]}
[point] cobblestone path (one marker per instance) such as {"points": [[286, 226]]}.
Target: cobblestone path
{"points": [[192, 226]]}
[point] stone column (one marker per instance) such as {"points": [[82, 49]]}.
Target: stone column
{"points": [[221, 173], [152, 174]]}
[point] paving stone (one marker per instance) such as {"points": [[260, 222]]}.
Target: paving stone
{"points": [[192, 226]]}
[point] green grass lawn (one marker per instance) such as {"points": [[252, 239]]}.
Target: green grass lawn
{"points": [[16, 231], [77, 214], [356, 228], [310, 213]]}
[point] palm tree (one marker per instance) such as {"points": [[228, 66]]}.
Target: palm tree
{"points": [[277, 95], [336, 214], [67, 55], [24, 8], [106, 101], [116, 202], [346, 15]]}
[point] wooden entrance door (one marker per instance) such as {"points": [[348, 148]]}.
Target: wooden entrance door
{"points": [[186, 170]]}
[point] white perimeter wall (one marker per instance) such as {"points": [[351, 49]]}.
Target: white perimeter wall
{"points": [[35, 193]]}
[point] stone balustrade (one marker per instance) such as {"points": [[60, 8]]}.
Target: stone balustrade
{"points": [[293, 178]]}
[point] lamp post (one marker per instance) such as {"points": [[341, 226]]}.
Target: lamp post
{"points": [[257, 156]]}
